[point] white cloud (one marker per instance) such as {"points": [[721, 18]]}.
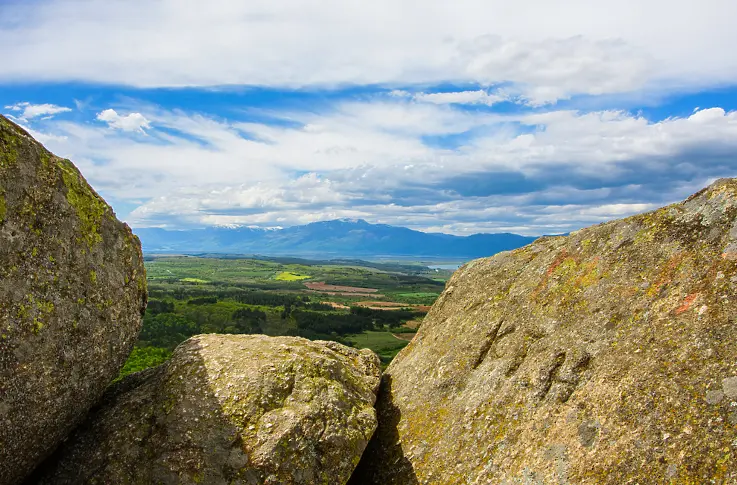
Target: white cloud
{"points": [[373, 160], [262, 204], [130, 122], [459, 97], [29, 111], [414, 158], [547, 50], [547, 70], [463, 217]]}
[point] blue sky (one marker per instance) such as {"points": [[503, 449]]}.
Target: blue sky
{"points": [[532, 117]]}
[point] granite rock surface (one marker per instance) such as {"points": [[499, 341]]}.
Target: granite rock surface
{"points": [[72, 293], [608, 356], [245, 409]]}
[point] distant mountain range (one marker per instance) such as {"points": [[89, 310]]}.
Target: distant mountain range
{"points": [[338, 238]]}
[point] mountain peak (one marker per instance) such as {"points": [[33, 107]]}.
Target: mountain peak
{"points": [[344, 237]]}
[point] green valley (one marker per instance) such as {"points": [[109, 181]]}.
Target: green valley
{"points": [[376, 305]]}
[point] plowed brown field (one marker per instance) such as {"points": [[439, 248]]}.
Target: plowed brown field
{"points": [[320, 286]]}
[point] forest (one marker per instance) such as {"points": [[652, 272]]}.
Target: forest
{"points": [[362, 304]]}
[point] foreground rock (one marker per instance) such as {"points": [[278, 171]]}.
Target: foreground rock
{"points": [[230, 409], [605, 357], [72, 290]]}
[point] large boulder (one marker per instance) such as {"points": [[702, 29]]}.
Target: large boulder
{"points": [[605, 357], [230, 409], [72, 291]]}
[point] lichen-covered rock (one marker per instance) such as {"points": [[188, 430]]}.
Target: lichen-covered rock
{"points": [[605, 357], [72, 290], [230, 409]]}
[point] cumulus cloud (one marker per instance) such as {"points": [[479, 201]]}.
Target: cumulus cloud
{"points": [[546, 50], [388, 162], [27, 111], [130, 122]]}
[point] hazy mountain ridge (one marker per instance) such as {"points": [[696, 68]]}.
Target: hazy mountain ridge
{"points": [[339, 237]]}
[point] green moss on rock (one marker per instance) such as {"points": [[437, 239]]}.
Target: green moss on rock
{"points": [[9, 143], [90, 208]]}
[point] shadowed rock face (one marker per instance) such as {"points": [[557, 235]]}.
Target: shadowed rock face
{"points": [[607, 357], [72, 291], [230, 409]]}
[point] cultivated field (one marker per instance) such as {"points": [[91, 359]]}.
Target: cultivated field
{"points": [[373, 305]]}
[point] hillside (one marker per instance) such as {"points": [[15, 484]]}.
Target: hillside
{"points": [[343, 238]]}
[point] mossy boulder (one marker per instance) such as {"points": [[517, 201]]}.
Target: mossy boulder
{"points": [[230, 409], [72, 291], [605, 357]]}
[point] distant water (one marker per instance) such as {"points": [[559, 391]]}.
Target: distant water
{"points": [[451, 267]]}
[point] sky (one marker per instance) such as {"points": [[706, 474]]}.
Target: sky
{"points": [[533, 117]]}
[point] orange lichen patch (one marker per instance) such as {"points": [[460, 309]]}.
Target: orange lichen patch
{"points": [[590, 273], [562, 256], [570, 271], [557, 262], [667, 274], [729, 255], [687, 303]]}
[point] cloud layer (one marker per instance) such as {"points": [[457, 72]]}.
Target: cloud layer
{"points": [[466, 116], [545, 50], [388, 159]]}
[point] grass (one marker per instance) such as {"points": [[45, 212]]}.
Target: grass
{"points": [[416, 298], [386, 345], [194, 280], [288, 276], [419, 294], [142, 358]]}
